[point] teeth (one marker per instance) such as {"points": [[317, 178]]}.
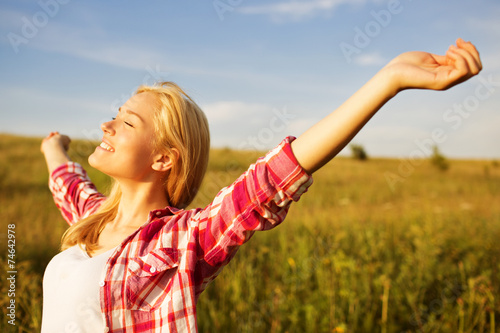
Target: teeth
{"points": [[106, 146]]}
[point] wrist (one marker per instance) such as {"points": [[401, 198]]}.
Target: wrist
{"points": [[55, 158], [383, 86], [390, 80], [51, 146]]}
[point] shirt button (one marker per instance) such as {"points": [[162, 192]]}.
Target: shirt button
{"points": [[158, 213], [102, 283], [152, 270], [106, 329]]}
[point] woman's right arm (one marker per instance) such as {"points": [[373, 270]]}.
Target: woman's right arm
{"points": [[54, 147], [258, 200], [411, 70]]}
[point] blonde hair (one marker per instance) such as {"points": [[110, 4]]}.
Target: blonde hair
{"points": [[179, 124]]}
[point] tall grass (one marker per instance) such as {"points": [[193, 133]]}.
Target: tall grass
{"points": [[354, 254]]}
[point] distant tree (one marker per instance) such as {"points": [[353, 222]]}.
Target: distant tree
{"points": [[438, 160], [358, 152]]}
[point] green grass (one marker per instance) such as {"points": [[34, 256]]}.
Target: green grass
{"points": [[354, 254]]}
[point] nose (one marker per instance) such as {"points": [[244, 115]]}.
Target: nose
{"points": [[107, 127]]}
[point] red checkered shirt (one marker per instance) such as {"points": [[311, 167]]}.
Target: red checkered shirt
{"points": [[155, 276]]}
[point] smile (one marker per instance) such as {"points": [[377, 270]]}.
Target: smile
{"points": [[107, 147]]}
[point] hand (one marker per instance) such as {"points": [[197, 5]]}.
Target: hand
{"points": [[55, 140], [424, 70]]}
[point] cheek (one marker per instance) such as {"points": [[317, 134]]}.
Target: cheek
{"points": [[138, 157], [130, 161]]}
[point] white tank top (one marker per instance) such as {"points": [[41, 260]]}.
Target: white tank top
{"points": [[71, 292]]}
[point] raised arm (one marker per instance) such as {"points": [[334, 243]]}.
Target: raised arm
{"points": [[74, 193], [411, 70], [54, 147]]}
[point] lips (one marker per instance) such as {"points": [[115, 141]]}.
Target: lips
{"points": [[106, 147]]}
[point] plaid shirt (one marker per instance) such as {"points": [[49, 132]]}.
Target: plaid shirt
{"points": [[155, 276]]}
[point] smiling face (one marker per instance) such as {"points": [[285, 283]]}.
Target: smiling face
{"points": [[126, 150]]}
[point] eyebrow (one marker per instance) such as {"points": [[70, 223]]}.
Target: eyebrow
{"points": [[132, 113]]}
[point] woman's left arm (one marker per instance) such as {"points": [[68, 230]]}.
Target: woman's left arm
{"points": [[73, 192], [54, 148], [411, 70]]}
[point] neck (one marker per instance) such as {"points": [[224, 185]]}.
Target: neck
{"points": [[137, 200]]}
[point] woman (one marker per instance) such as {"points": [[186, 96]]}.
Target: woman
{"points": [[136, 261]]}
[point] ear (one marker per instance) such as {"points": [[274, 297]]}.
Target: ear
{"points": [[165, 162]]}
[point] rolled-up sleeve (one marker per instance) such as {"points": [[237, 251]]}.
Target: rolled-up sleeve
{"points": [[258, 200], [74, 193]]}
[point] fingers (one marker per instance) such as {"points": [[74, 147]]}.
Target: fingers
{"points": [[47, 138], [460, 69], [441, 60], [51, 134], [466, 58], [472, 51], [63, 140]]}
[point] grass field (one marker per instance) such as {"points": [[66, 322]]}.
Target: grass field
{"points": [[354, 255]]}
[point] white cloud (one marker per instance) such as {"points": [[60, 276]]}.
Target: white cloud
{"points": [[227, 111], [94, 44], [296, 10], [95, 47], [85, 42], [299, 126], [242, 125], [370, 59], [388, 140]]}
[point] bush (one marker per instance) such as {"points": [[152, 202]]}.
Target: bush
{"points": [[438, 160], [358, 152]]}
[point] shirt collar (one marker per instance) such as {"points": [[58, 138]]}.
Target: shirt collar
{"points": [[159, 213]]}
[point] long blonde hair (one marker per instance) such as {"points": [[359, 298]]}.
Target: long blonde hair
{"points": [[179, 124]]}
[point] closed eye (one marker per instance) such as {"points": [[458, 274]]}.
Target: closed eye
{"points": [[126, 123]]}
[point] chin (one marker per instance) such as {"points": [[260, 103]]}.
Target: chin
{"points": [[98, 163], [94, 161], [91, 160]]}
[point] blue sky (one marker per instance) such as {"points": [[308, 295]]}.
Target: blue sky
{"points": [[261, 70]]}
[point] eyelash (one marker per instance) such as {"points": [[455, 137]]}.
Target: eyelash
{"points": [[128, 124]]}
